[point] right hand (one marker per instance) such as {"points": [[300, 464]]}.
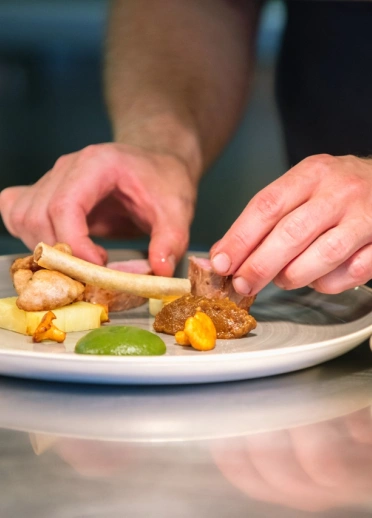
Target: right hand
{"points": [[311, 468], [107, 190]]}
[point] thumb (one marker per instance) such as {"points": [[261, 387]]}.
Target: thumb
{"points": [[168, 244]]}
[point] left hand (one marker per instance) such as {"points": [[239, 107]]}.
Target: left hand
{"points": [[312, 226]]}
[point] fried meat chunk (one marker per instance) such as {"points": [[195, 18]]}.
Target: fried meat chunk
{"points": [[46, 290], [41, 290]]}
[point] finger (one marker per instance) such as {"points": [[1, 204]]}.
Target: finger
{"points": [[234, 463], [359, 425], [357, 270], [8, 199], [83, 188], [292, 235], [167, 245], [213, 248], [30, 213], [325, 254], [75, 232], [320, 450], [327, 454], [260, 216], [266, 468]]}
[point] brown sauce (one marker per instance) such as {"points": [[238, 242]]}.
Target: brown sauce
{"points": [[230, 320]]}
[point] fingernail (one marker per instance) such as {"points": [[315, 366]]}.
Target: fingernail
{"points": [[171, 260], [221, 263], [241, 286]]}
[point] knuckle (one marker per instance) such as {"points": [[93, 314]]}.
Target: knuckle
{"points": [[241, 239], [356, 187], [17, 221], [294, 230], [94, 151], [359, 270], [35, 220], [57, 207], [60, 162], [269, 203], [321, 163], [333, 249], [89, 151], [288, 279], [259, 270]]}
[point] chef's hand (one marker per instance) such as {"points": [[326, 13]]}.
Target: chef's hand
{"points": [[311, 468], [312, 226], [107, 190]]}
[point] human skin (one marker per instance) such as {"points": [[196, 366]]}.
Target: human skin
{"points": [[177, 76], [106, 190], [312, 226], [314, 467]]}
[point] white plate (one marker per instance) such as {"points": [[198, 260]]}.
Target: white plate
{"points": [[296, 329], [186, 412]]}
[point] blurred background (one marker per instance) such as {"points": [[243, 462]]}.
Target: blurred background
{"points": [[51, 103]]}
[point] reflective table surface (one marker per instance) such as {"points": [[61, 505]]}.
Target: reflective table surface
{"points": [[293, 445]]}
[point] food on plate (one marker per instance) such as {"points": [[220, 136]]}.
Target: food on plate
{"points": [[119, 300], [148, 286], [230, 321], [199, 332], [156, 305], [52, 285], [206, 283], [45, 290], [121, 341], [78, 316], [39, 289], [46, 330]]}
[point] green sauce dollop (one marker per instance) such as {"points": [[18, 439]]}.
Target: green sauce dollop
{"points": [[121, 341]]}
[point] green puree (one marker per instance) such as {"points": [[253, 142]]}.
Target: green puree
{"points": [[120, 341]]}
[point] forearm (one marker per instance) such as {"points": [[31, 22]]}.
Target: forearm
{"points": [[178, 72]]}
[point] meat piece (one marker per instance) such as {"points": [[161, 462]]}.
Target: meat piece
{"points": [[21, 279], [119, 300], [24, 263], [28, 263], [206, 283], [46, 290], [43, 290], [230, 320]]}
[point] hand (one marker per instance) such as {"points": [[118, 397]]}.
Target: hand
{"points": [[311, 468], [312, 226], [107, 190]]}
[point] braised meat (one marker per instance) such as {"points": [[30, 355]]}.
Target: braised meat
{"points": [[119, 300], [206, 283], [230, 320]]}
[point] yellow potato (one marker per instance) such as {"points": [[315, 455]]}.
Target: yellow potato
{"points": [[156, 305], [79, 316]]}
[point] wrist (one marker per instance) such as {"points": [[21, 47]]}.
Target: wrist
{"points": [[163, 135]]}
